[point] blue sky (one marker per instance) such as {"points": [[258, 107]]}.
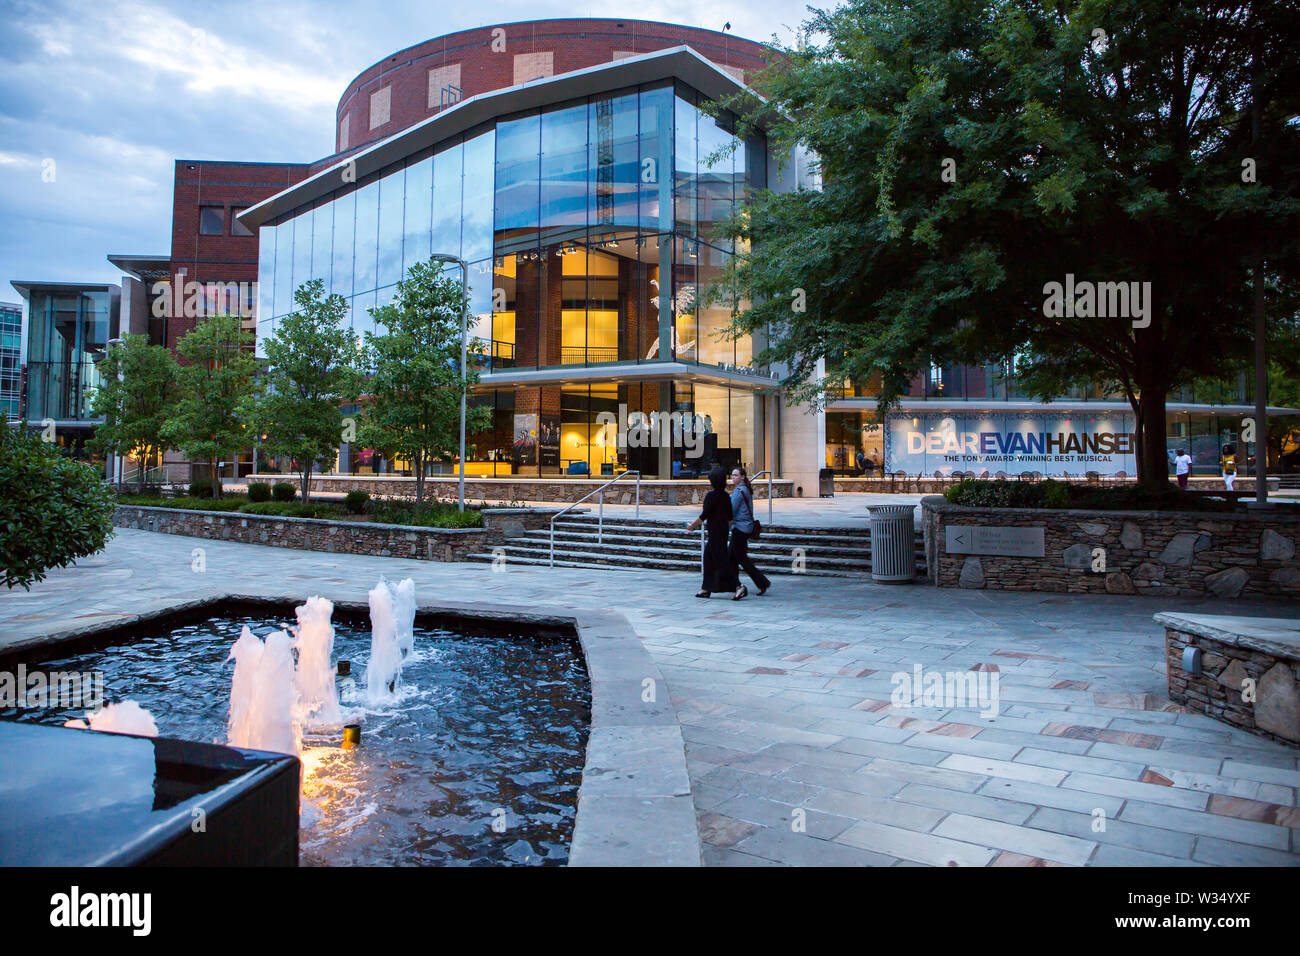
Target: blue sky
{"points": [[97, 99]]}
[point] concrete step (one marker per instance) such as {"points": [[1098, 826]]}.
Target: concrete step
{"points": [[776, 561], [641, 543], [587, 559], [632, 539]]}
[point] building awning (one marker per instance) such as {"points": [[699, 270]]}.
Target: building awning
{"points": [[977, 405], [144, 268], [628, 373], [680, 62]]}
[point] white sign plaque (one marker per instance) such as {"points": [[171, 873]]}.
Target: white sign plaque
{"points": [[981, 539]]}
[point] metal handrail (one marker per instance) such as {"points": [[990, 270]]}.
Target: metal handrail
{"points": [[769, 490], [600, 525]]}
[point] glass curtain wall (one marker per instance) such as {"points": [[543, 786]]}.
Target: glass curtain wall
{"points": [[591, 227]]}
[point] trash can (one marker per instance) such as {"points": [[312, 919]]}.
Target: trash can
{"points": [[893, 547], [826, 483]]}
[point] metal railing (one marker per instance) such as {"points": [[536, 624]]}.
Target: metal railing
{"points": [[600, 523], [769, 490]]}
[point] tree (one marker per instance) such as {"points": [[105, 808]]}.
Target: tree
{"points": [[973, 152], [53, 510], [414, 385], [139, 385], [311, 371], [214, 379]]}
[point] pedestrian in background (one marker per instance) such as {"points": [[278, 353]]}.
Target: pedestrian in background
{"points": [[1182, 468]]}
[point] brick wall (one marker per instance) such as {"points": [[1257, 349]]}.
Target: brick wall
{"points": [[227, 257], [574, 44]]}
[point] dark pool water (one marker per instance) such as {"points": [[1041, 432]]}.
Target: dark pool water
{"points": [[479, 761]]}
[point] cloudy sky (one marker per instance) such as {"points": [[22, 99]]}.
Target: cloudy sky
{"points": [[97, 99]]}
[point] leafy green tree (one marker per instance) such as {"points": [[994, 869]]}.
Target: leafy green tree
{"points": [[974, 151], [215, 378], [53, 510], [311, 371], [414, 385], [139, 385]]}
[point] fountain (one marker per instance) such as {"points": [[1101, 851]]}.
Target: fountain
{"points": [[422, 764], [317, 704], [262, 694], [128, 717], [384, 671], [404, 611]]}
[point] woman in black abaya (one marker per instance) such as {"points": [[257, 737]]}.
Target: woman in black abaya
{"points": [[720, 574]]}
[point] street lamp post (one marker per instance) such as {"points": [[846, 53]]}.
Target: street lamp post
{"points": [[464, 332]]}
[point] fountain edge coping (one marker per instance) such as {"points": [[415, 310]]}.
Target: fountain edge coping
{"points": [[635, 806]]}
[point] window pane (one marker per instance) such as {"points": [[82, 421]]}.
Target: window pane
{"points": [[563, 170], [447, 176], [322, 237], [302, 246], [756, 161], [614, 161], [685, 165], [517, 172], [345, 215], [715, 347], [419, 203], [392, 196], [367, 238], [504, 302], [656, 159], [237, 228], [716, 183], [684, 302], [212, 220], [283, 268], [478, 201], [265, 273]]}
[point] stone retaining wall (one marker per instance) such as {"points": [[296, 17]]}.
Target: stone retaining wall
{"points": [[653, 492], [1144, 552], [344, 537], [1251, 686]]}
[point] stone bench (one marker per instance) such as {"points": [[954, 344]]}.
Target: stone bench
{"points": [[1249, 670]]}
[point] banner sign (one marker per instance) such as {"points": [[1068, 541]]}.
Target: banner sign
{"points": [[1055, 445]]}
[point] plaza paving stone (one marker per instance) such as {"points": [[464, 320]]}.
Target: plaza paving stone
{"points": [[784, 703]]}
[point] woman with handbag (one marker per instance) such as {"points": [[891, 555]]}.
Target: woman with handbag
{"points": [[743, 527]]}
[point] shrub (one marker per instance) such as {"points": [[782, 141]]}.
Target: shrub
{"points": [[259, 491], [292, 509], [355, 501], [284, 491], [1056, 494], [200, 489], [1060, 494], [55, 509], [427, 514]]}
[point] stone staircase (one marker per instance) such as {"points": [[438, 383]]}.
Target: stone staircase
{"points": [[631, 543]]}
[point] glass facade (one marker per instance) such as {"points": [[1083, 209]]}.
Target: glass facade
{"points": [[11, 331], [591, 229], [67, 333]]}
